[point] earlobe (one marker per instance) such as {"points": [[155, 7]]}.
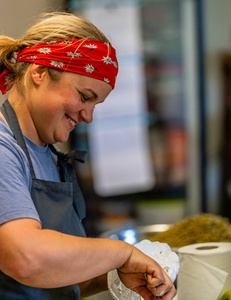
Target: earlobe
{"points": [[38, 73]]}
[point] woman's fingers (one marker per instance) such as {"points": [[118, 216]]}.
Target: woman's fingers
{"points": [[170, 295], [154, 280], [161, 287]]}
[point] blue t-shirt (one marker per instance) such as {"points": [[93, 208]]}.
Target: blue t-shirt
{"points": [[15, 178]]}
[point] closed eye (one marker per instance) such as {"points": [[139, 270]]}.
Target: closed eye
{"points": [[84, 97]]}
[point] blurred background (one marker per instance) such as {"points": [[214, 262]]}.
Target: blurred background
{"points": [[158, 149]]}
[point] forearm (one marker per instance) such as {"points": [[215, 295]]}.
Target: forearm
{"points": [[49, 259], [93, 286], [68, 260]]}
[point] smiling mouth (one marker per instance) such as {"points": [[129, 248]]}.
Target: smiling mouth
{"points": [[71, 120]]}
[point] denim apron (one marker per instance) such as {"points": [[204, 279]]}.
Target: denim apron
{"points": [[60, 206]]}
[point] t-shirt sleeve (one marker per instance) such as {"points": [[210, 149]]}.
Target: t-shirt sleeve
{"points": [[15, 184]]}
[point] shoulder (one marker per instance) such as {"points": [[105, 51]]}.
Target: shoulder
{"points": [[11, 154], [15, 183]]}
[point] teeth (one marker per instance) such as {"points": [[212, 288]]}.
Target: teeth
{"points": [[72, 122]]}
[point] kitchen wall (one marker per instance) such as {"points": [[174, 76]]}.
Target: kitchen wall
{"points": [[217, 40], [16, 16]]}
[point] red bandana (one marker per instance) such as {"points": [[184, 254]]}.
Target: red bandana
{"points": [[91, 58]]}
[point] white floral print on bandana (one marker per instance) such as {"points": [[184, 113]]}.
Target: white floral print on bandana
{"points": [[89, 68], [44, 50], [106, 80], [74, 54], [91, 46], [66, 42], [32, 57], [107, 60], [58, 64]]}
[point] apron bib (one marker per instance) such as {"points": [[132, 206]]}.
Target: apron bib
{"points": [[60, 206]]}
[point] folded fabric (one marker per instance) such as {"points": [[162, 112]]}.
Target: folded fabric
{"points": [[161, 253]]}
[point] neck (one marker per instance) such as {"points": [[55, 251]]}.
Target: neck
{"points": [[20, 106]]}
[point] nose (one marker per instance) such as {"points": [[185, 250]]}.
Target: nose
{"points": [[87, 114]]}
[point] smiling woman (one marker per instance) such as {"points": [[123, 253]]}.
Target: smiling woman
{"points": [[57, 106], [55, 75]]}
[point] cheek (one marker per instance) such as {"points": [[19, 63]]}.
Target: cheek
{"points": [[60, 102], [72, 103], [51, 111]]}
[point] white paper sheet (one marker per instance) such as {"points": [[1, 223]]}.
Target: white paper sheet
{"points": [[118, 136]]}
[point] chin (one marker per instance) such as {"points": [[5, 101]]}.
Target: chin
{"points": [[61, 140]]}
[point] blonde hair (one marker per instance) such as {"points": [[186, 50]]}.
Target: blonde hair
{"points": [[49, 27]]}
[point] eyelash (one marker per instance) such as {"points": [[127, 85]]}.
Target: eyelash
{"points": [[84, 97]]}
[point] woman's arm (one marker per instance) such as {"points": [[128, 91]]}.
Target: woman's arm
{"points": [[48, 259]]}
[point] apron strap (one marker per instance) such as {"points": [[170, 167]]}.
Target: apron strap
{"points": [[11, 118], [67, 171]]}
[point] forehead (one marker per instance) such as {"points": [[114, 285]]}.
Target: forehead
{"points": [[97, 87]]}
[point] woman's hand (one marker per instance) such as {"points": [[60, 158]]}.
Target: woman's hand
{"points": [[144, 276]]}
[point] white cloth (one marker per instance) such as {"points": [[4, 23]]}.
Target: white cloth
{"points": [[161, 253]]}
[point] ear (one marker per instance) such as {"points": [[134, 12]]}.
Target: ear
{"points": [[38, 73]]}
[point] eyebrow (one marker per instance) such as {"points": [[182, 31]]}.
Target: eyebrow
{"points": [[93, 93]]}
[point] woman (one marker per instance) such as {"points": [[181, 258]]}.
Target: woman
{"points": [[55, 75]]}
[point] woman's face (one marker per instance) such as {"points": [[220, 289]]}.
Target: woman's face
{"points": [[56, 107]]}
